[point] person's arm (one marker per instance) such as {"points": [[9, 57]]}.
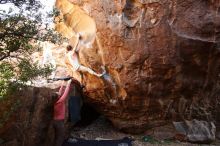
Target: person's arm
{"points": [[61, 88], [73, 60], [63, 97], [76, 48]]}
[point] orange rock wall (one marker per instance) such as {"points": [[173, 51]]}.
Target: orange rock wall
{"points": [[163, 56]]}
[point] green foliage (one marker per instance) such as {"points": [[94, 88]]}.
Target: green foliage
{"points": [[6, 73], [29, 70], [16, 75], [18, 35]]}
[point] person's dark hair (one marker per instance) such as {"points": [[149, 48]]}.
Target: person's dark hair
{"points": [[54, 97], [80, 37], [69, 48]]}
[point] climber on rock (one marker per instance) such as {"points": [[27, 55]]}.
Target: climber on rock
{"points": [[108, 81], [59, 99], [72, 60]]}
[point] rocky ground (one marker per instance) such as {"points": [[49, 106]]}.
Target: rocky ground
{"points": [[102, 129]]}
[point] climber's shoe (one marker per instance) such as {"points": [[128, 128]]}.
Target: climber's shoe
{"points": [[104, 70]]}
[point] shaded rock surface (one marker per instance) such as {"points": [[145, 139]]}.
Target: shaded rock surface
{"points": [[197, 131], [163, 56], [102, 129], [30, 123]]}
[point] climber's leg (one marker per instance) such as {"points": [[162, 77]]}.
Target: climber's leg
{"points": [[86, 69], [110, 82]]}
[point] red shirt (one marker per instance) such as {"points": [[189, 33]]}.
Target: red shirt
{"points": [[59, 106]]}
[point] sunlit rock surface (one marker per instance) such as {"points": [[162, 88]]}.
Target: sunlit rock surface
{"points": [[163, 56]]}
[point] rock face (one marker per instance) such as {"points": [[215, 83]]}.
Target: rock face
{"points": [[162, 56], [196, 131], [31, 123]]}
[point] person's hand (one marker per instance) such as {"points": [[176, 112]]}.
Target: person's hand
{"points": [[63, 82], [69, 81]]}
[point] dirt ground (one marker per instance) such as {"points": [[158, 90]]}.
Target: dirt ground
{"points": [[102, 129]]}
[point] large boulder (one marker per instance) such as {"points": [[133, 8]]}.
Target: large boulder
{"points": [[161, 56], [30, 120]]}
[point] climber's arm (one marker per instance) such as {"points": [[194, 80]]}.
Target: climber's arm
{"points": [[78, 39], [76, 48], [70, 56]]}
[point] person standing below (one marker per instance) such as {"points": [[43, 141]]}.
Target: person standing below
{"points": [[59, 100], [75, 102]]}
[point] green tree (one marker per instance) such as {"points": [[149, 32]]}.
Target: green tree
{"points": [[19, 33]]}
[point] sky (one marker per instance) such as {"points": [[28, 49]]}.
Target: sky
{"points": [[47, 6]]}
